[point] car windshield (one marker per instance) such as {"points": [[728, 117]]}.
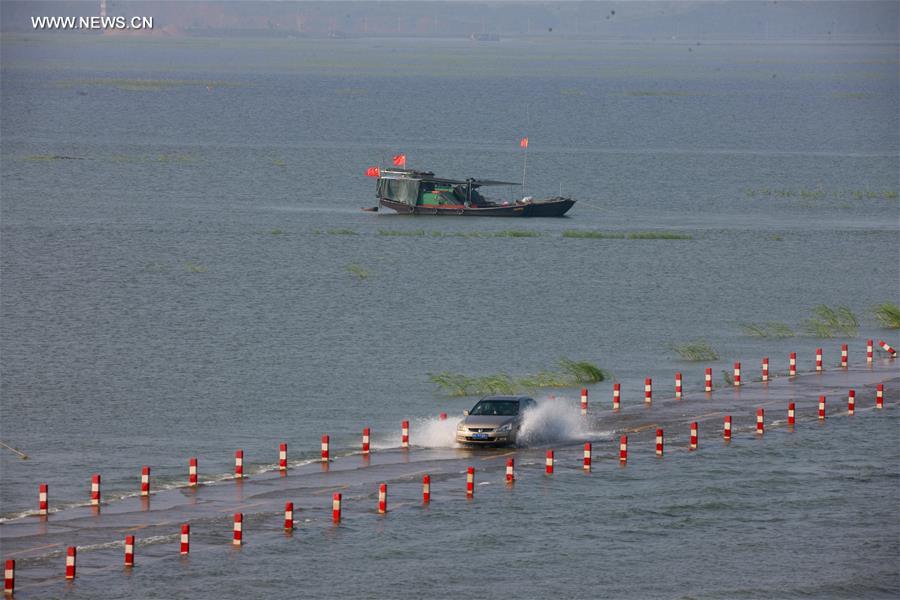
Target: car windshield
{"points": [[500, 408]]}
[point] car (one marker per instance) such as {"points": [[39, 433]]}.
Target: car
{"points": [[493, 421]]}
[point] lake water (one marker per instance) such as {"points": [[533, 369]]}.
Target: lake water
{"points": [[185, 271]]}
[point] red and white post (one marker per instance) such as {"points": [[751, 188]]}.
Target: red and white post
{"points": [[587, 456], [43, 499], [623, 449], [95, 489], [548, 464], [282, 457], [426, 489], [678, 386], [737, 374], [694, 436], [879, 396], [9, 578], [382, 498], [288, 516], [145, 481], [129, 550], [617, 391], [765, 369], [336, 507], [192, 472], [185, 538], [71, 553], [726, 430], [238, 464], [791, 414], [843, 356], [648, 390], [821, 408], [365, 441], [584, 401], [470, 482], [792, 364], [510, 470], [238, 537], [659, 442], [325, 451], [404, 435], [870, 351], [708, 380], [818, 360], [851, 402], [442, 416], [887, 348], [760, 421]]}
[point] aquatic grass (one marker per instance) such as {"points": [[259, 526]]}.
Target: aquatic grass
{"points": [[827, 322], [772, 329], [888, 314], [658, 235], [341, 231], [571, 374], [592, 234], [357, 271], [582, 371], [191, 267], [728, 377], [405, 233], [516, 233], [43, 157], [696, 351], [277, 231]]}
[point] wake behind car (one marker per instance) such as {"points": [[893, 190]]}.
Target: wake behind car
{"points": [[494, 420]]}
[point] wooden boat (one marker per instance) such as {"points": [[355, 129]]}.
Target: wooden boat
{"points": [[421, 193]]}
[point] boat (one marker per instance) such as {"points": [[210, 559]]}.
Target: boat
{"points": [[411, 192]]}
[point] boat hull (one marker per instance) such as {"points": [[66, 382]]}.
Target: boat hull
{"points": [[555, 207]]}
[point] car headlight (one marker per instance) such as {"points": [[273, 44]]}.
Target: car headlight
{"points": [[460, 426], [505, 428]]}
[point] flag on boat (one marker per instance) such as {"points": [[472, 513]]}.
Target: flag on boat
{"points": [[373, 172], [400, 160], [523, 143]]}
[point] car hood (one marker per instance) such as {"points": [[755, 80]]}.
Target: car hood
{"points": [[484, 421]]}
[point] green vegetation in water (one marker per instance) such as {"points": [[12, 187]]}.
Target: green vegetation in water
{"points": [[571, 374], [278, 162], [888, 314], [42, 157], [592, 235], [516, 233], [771, 329], [341, 231], [155, 268], [827, 322], [695, 351], [357, 271], [805, 195], [194, 268], [277, 231], [728, 377], [404, 233]]}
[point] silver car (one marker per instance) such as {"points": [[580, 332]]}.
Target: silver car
{"points": [[494, 420]]}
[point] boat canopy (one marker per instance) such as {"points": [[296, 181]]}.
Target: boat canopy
{"points": [[404, 185]]}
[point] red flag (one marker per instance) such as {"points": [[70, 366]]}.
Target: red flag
{"points": [[400, 160], [523, 143], [373, 172]]}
